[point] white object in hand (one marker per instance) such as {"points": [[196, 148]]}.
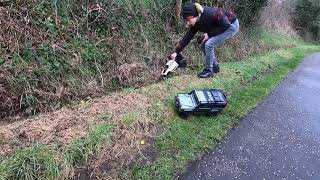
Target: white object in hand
{"points": [[171, 65]]}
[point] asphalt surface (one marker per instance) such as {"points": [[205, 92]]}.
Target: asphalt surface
{"points": [[280, 139]]}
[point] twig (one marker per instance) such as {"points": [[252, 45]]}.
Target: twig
{"points": [[118, 153]]}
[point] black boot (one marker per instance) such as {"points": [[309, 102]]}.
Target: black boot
{"points": [[206, 73], [216, 68]]}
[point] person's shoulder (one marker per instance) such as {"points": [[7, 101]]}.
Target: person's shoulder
{"points": [[207, 11]]}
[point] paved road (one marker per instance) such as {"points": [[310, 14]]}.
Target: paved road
{"points": [[280, 139]]}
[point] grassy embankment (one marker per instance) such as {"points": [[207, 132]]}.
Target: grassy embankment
{"points": [[178, 141]]}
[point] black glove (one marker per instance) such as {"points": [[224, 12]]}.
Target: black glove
{"points": [[180, 60]]}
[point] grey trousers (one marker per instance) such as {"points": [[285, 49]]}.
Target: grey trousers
{"points": [[211, 43]]}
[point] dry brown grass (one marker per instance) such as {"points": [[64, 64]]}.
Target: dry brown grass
{"points": [[143, 108], [136, 74], [276, 17], [8, 96], [134, 62], [67, 124], [17, 30], [63, 126]]}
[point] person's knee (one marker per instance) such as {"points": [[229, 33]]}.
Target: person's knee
{"points": [[235, 28], [208, 46], [234, 32]]}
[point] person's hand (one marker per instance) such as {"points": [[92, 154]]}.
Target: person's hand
{"points": [[173, 56], [202, 39], [205, 38]]}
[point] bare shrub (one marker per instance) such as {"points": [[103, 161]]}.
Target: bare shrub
{"points": [[276, 17]]}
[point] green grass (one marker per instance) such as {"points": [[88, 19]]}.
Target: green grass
{"points": [[80, 54], [50, 162], [3, 169], [184, 141], [181, 141], [130, 118], [246, 82], [81, 149], [277, 39], [37, 162], [79, 48]]}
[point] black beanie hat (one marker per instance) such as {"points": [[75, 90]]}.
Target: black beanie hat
{"points": [[189, 9]]}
